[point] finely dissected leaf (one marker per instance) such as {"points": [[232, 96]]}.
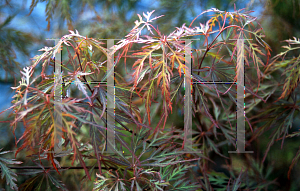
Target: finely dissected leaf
{"points": [[237, 183], [295, 159], [150, 159], [56, 182], [81, 86], [6, 172], [284, 122]]}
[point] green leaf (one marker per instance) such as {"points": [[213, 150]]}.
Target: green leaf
{"points": [[6, 172]]}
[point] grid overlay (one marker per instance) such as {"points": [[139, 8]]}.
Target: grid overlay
{"points": [[187, 86], [110, 138], [240, 112], [110, 132]]}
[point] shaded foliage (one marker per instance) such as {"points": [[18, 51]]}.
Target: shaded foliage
{"points": [[150, 155]]}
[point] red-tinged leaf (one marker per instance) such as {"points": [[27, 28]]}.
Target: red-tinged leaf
{"points": [[83, 165], [233, 53], [156, 65], [51, 157], [137, 62], [159, 78], [294, 162], [25, 144], [172, 61], [148, 105], [150, 61], [169, 69], [69, 115], [141, 89], [179, 69], [140, 53], [26, 132]]}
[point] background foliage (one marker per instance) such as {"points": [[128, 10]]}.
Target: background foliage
{"points": [[272, 107]]}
